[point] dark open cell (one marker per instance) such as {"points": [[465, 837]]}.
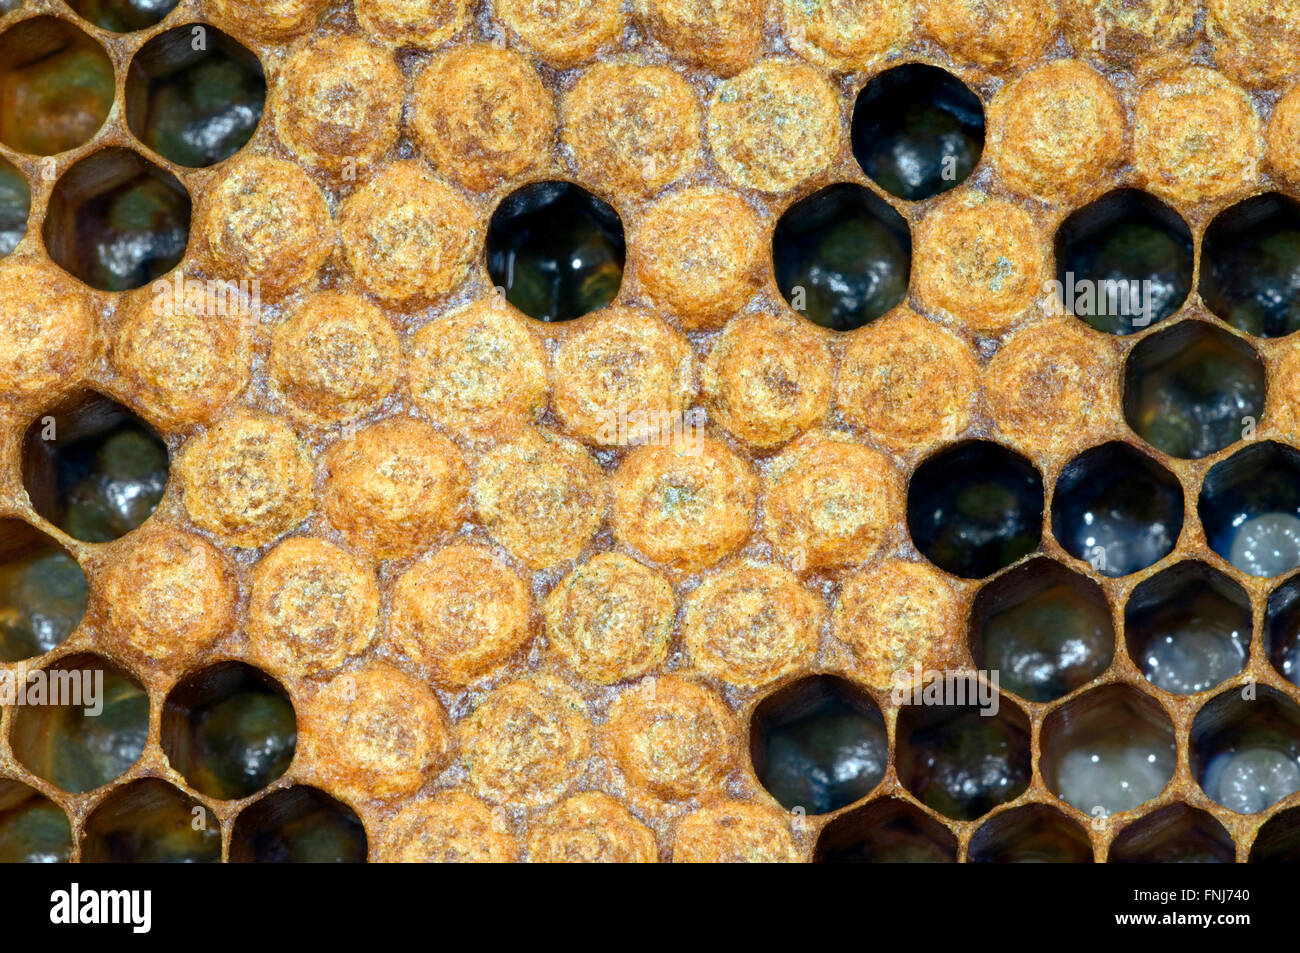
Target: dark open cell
{"points": [[298, 825], [917, 131], [56, 84], [974, 508], [1045, 629], [123, 16], [1245, 752], [194, 95], [1250, 265], [151, 822], [90, 730], [1117, 509], [15, 205], [557, 250], [43, 592], [885, 831], [33, 829], [1124, 262], [1176, 834], [1250, 508], [1278, 841], [93, 468], [819, 744], [842, 256], [117, 221], [1188, 628], [230, 730], [1032, 834], [1191, 390], [1282, 629]]}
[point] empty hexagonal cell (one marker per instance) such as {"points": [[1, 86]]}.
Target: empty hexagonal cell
{"points": [[1043, 629], [1278, 841], [1188, 628], [1246, 751], [87, 727], [1282, 629], [33, 829], [93, 468], [1250, 508], [887, 831], [1108, 750], [150, 822], [123, 16], [963, 760], [15, 206], [1176, 834], [1250, 265], [194, 95], [819, 744], [1191, 390], [43, 592], [117, 221], [1031, 834], [917, 131], [230, 730], [842, 256], [557, 250], [299, 825], [1117, 509], [1124, 262], [974, 508], [56, 84]]}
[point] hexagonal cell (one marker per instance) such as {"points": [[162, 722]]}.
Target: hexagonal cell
{"points": [[1044, 629], [963, 760], [117, 221], [1187, 389], [150, 822], [33, 829], [56, 84], [1031, 834], [1108, 750], [1176, 834], [1250, 265], [1117, 509], [1246, 751], [974, 508], [195, 95], [88, 727], [557, 250], [230, 730], [819, 744], [1188, 628], [1278, 841], [93, 468], [1282, 629], [1250, 508], [123, 16], [299, 825], [1124, 262], [15, 206], [917, 131], [887, 831], [43, 592]]}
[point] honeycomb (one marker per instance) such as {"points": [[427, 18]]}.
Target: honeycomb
{"points": [[446, 564]]}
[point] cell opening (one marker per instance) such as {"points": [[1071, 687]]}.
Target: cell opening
{"points": [[150, 822], [1245, 752], [1278, 841], [1030, 834], [1176, 834], [299, 825], [887, 831], [33, 829], [1282, 629], [1250, 508], [43, 592], [124, 16], [15, 207], [1250, 265]]}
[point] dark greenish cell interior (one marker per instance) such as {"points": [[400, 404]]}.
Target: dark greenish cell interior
{"points": [[885, 833], [75, 749], [33, 830], [965, 763], [917, 131], [43, 596], [1282, 629], [298, 826], [123, 16], [975, 508], [195, 107], [1123, 238], [1175, 835], [842, 257], [151, 822], [819, 745], [130, 234], [1230, 732], [1262, 480], [557, 250], [1278, 840], [1030, 835], [230, 731], [1250, 266], [15, 204], [1117, 509], [1187, 391]]}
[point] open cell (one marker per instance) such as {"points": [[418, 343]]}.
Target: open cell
{"points": [[43, 592], [299, 825]]}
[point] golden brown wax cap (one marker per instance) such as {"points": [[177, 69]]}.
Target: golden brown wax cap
{"points": [[268, 19], [422, 23], [1284, 137], [451, 827], [1256, 42], [48, 334], [720, 35], [735, 832], [846, 35], [1003, 35], [562, 34], [590, 828], [1143, 37]]}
